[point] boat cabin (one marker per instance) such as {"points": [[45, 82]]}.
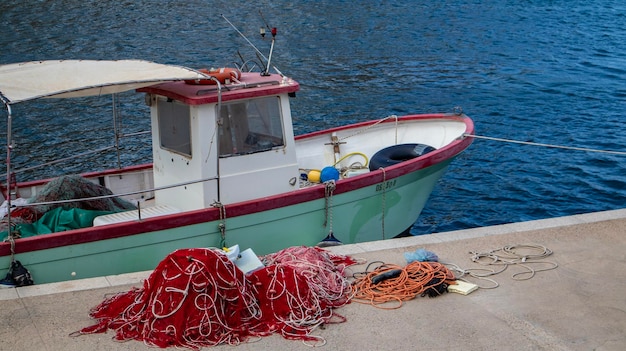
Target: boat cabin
{"points": [[223, 142]]}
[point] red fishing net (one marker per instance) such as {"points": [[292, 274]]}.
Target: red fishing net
{"points": [[197, 298]]}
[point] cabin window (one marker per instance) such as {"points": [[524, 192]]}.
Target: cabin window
{"points": [[250, 126], [174, 126]]}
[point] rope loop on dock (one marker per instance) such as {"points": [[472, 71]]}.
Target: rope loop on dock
{"points": [[523, 255], [529, 257]]}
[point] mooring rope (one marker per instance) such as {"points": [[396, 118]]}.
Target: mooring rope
{"points": [[621, 153], [329, 187], [383, 202], [222, 224]]}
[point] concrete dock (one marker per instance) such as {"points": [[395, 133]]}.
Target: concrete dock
{"points": [[580, 305]]}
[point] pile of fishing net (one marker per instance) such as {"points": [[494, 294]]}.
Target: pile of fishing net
{"points": [[198, 297]]}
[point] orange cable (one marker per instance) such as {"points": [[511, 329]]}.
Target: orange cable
{"points": [[412, 281]]}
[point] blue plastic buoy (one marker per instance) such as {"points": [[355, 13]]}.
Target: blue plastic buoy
{"points": [[329, 173]]}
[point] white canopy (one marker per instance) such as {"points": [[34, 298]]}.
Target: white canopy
{"points": [[73, 78]]}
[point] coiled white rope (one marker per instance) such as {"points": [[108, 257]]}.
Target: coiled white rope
{"points": [[526, 256]]}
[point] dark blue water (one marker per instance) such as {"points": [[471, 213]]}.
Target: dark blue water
{"points": [[543, 71]]}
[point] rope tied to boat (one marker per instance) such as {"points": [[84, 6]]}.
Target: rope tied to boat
{"points": [[383, 202], [222, 225], [621, 153], [329, 188], [330, 239]]}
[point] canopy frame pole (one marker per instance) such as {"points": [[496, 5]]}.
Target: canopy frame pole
{"points": [[8, 162], [116, 128]]}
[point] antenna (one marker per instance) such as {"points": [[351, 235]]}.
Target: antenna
{"points": [[262, 31], [269, 60], [273, 31]]}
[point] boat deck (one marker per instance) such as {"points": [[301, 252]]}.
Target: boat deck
{"points": [[577, 306]]}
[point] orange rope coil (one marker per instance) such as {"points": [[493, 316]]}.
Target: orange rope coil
{"points": [[416, 278]]}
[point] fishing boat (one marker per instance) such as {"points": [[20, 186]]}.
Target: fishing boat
{"points": [[226, 169]]}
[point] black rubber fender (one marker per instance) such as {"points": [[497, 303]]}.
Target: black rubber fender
{"points": [[395, 154]]}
